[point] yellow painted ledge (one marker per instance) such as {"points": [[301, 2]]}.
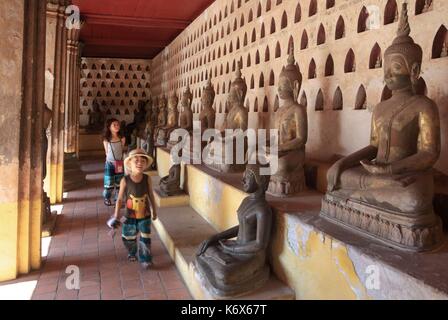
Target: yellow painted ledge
{"points": [[171, 201]]}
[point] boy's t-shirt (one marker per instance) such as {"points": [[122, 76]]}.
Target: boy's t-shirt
{"points": [[137, 198]]}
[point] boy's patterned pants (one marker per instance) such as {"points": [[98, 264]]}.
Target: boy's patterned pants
{"points": [[131, 228]]}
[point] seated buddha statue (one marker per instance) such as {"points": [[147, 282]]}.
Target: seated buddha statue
{"points": [[97, 118], [225, 144], [170, 185], [148, 141], [163, 133], [236, 267], [292, 124], [162, 116], [385, 190], [186, 115], [207, 115]]}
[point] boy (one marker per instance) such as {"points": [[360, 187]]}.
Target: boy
{"points": [[137, 189]]}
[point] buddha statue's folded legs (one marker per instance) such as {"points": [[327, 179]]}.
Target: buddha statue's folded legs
{"points": [[410, 193], [290, 176], [231, 274], [225, 156]]}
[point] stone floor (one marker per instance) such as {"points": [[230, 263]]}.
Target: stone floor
{"points": [[82, 239]]}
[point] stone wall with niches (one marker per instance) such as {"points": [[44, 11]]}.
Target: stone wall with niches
{"points": [[339, 45], [116, 84]]}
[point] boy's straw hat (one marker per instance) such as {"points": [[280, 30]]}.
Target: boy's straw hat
{"points": [[138, 153]]}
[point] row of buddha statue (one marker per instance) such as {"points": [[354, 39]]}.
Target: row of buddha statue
{"points": [[384, 190]]}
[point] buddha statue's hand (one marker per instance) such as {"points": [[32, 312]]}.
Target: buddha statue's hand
{"points": [[334, 174], [204, 246], [376, 169], [228, 245]]}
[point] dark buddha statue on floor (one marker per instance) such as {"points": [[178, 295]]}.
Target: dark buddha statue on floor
{"points": [[236, 267], [386, 189]]}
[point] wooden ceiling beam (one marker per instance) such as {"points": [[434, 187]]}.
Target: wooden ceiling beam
{"points": [[125, 43], [152, 23]]}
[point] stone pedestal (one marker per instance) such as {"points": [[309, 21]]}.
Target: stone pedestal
{"points": [[407, 232]]}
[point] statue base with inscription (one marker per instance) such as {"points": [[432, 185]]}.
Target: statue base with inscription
{"points": [[413, 233]]}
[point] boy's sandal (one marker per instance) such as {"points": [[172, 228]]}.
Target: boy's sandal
{"points": [[107, 202], [132, 258]]}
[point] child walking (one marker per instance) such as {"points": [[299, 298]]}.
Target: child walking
{"points": [[137, 190], [114, 144]]}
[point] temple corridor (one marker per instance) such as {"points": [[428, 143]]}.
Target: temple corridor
{"points": [[81, 239]]}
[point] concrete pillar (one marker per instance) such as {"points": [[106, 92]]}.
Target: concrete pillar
{"points": [[22, 56], [56, 62], [72, 91]]}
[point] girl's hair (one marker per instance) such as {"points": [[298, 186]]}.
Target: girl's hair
{"points": [[107, 135]]}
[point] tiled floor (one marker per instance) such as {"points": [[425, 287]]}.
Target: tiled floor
{"points": [[81, 239]]}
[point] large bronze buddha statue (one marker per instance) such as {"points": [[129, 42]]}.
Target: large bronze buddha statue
{"points": [[292, 124], [236, 267], [225, 144], [162, 116], [172, 121], [386, 189]]}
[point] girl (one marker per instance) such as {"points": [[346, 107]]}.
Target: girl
{"points": [[114, 144], [137, 190]]}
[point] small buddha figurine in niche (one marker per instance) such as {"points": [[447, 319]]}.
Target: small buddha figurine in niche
{"points": [[208, 114], [235, 267], [164, 132], [386, 189], [170, 185], [292, 123], [237, 118], [162, 116]]}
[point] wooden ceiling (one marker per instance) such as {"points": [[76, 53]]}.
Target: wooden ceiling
{"points": [[134, 28]]}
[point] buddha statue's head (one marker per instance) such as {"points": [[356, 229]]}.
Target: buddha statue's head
{"points": [[208, 95], [187, 98], [290, 79], [238, 89], [253, 181], [173, 102], [403, 59]]}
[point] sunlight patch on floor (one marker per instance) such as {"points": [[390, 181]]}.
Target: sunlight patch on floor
{"points": [[45, 246], [18, 291], [58, 208]]}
